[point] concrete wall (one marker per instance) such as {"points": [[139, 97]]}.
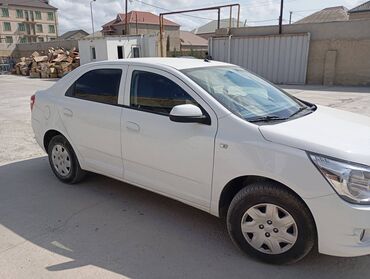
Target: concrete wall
{"points": [[206, 35], [350, 40], [27, 49], [6, 49], [193, 48]]}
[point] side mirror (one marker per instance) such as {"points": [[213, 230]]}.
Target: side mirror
{"points": [[189, 113]]}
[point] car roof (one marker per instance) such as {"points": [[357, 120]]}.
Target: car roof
{"points": [[173, 62]]}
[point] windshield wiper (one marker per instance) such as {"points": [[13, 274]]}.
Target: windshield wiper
{"points": [[298, 111], [267, 118]]}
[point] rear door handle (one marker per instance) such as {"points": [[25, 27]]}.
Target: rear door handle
{"points": [[132, 126], [67, 112]]}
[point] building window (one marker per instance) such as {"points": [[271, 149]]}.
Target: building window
{"points": [[4, 12], [19, 13], [51, 29], [50, 16], [21, 27], [37, 14], [93, 53], [39, 28], [23, 40], [7, 26], [40, 39], [9, 39]]}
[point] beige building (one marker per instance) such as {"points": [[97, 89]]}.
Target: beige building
{"points": [[73, 35], [208, 30], [144, 23], [192, 42], [360, 12], [27, 21], [330, 14], [339, 13]]}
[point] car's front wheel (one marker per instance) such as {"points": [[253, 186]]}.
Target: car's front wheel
{"points": [[63, 161], [271, 224]]}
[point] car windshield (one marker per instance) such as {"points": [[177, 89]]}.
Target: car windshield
{"points": [[246, 95]]}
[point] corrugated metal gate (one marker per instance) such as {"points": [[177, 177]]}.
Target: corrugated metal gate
{"points": [[279, 58]]}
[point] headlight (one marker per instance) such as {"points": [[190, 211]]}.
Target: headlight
{"points": [[350, 180]]}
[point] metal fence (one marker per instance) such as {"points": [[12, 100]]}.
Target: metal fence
{"points": [[6, 65], [281, 59]]}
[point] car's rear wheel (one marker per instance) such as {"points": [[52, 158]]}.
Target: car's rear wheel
{"points": [[271, 224], [63, 161]]}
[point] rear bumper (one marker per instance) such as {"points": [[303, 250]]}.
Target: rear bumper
{"points": [[343, 228], [37, 130]]}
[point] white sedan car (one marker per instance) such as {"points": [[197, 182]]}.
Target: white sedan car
{"points": [[285, 174]]}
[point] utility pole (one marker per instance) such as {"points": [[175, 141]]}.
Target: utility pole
{"points": [[290, 17], [281, 16], [126, 19], [92, 18]]}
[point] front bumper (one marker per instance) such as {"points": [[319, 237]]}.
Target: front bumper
{"points": [[343, 229]]}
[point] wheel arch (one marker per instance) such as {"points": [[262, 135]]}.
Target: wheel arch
{"points": [[48, 136], [238, 183]]}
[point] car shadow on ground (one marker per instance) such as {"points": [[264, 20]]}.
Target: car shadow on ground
{"points": [[134, 232]]}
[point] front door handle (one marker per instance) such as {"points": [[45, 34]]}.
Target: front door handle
{"points": [[132, 126], [67, 112]]}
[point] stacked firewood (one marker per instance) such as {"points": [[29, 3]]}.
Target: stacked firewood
{"points": [[53, 64]]}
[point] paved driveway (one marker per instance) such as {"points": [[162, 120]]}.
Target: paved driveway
{"points": [[103, 228]]}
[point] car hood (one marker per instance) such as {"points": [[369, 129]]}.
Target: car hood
{"points": [[326, 131]]}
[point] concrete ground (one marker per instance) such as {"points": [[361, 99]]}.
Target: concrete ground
{"points": [[103, 228]]}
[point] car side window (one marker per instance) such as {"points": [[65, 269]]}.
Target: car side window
{"points": [[156, 93], [100, 85]]}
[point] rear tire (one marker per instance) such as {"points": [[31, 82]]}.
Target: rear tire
{"points": [[271, 224], [63, 161]]}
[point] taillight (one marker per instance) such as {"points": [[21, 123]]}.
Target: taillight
{"points": [[32, 101]]}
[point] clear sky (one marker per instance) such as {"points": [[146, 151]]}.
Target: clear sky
{"points": [[75, 14]]}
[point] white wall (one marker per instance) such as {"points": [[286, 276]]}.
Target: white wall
{"points": [[150, 46], [85, 46], [126, 42], [106, 47]]}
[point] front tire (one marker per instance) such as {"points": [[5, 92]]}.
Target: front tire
{"points": [[63, 161], [271, 224]]}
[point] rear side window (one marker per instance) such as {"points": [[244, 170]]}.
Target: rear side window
{"points": [[101, 85], [156, 93]]}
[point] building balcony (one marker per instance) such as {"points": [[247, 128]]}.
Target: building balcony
{"points": [[29, 21]]}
